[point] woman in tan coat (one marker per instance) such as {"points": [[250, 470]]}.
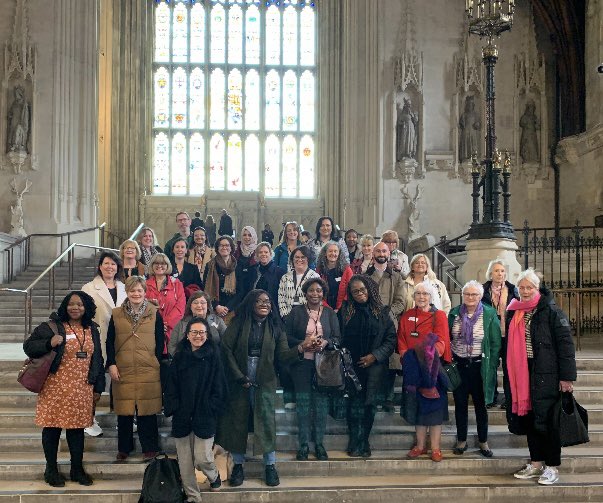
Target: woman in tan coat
{"points": [[135, 342]]}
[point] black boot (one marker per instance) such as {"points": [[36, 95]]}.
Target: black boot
{"points": [[237, 476], [53, 477], [77, 474], [272, 479]]}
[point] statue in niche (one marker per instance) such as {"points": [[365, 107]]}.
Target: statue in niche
{"points": [[413, 211], [407, 124], [530, 125], [470, 125], [16, 219], [18, 123]]}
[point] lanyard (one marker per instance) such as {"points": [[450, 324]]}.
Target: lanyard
{"points": [[301, 281], [432, 317], [81, 343]]}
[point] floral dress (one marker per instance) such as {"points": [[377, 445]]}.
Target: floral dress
{"points": [[66, 400]]}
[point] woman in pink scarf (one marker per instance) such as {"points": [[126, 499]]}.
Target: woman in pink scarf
{"points": [[541, 362]]}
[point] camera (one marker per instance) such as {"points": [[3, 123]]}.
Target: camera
{"points": [[600, 68]]}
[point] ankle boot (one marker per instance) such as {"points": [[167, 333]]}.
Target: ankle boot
{"points": [[77, 474], [53, 477]]}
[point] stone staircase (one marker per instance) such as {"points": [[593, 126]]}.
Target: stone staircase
{"points": [[386, 476]]}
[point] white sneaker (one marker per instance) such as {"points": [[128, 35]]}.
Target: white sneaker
{"points": [[95, 430], [290, 406], [529, 472], [549, 477]]}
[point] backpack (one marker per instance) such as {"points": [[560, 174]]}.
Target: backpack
{"points": [[161, 482]]}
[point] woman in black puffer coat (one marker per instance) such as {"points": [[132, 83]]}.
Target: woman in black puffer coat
{"points": [[541, 362]]}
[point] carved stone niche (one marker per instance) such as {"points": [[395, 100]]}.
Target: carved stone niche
{"points": [[409, 134], [530, 139]]}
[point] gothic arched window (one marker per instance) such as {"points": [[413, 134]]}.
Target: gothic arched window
{"points": [[235, 97]]}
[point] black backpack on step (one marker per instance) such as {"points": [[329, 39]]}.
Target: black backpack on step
{"points": [[162, 482]]}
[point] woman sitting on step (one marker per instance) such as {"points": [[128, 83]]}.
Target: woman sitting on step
{"points": [[74, 384]]}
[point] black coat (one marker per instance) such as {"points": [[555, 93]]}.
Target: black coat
{"points": [[268, 278], [225, 227], [196, 390], [189, 275], [297, 321], [554, 361], [382, 347], [38, 344]]}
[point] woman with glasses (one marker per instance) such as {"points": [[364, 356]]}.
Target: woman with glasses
{"points": [[129, 252], [311, 328], [220, 278], [422, 341], [420, 271], [368, 332], [198, 306], [289, 241], [195, 398], [252, 345], [397, 258], [475, 340]]}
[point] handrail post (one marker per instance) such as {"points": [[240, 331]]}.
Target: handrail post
{"points": [[25, 318], [577, 231], [50, 288], [526, 237], [578, 319], [70, 274]]}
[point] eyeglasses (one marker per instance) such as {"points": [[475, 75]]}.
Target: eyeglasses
{"points": [[224, 246], [472, 295], [359, 290], [422, 293], [262, 302], [130, 248], [195, 333]]}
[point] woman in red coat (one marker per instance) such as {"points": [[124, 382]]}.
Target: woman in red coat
{"points": [[423, 330]]}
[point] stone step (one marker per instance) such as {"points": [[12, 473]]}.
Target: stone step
{"points": [[435, 486]]}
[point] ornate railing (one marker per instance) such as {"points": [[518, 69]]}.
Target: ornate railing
{"points": [[445, 269], [584, 308]]}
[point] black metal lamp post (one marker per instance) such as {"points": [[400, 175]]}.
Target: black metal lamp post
{"points": [[488, 19]]}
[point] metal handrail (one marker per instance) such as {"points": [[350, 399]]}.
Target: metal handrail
{"points": [[453, 267], [136, 231], [26, 250], [28, 291]]}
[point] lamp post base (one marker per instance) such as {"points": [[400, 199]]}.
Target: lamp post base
{"points": [[488, 230], [481, 251]]}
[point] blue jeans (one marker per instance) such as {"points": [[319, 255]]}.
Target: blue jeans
{"points": [[269, 458]]}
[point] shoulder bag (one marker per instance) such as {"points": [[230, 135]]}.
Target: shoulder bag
{"points": [[570, 421], [34, 372]]}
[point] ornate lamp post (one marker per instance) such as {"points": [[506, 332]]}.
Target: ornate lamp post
{"points": [[488, 19]]}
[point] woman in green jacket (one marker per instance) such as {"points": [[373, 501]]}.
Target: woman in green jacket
{"points": [[475, 339]]}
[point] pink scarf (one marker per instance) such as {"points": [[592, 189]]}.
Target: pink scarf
{"points": [[517, 356]]}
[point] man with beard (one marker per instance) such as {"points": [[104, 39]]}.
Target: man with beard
{"points": [[391, 289], [183, 220]]}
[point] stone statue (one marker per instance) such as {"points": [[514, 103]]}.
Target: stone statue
{"points": [[413, 211], [406, 132], [530, 125], [18, 123], [16, 220], [470, 125]]}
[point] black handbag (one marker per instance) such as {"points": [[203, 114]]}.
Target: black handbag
{"points": [[570, 421], [453, 374], [329, 376]]}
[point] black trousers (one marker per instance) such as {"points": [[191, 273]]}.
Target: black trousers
{"points": [[471, 384], [75, 441], [148, 433], [544, 447]]}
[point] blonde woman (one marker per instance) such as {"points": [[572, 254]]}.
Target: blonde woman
{"points": [[420, 271], [290, 241], [147, 242], [130, 254], [397, 258], [361, 264]]}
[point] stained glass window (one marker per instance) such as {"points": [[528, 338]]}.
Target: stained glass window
{"points": [[234, 104]]}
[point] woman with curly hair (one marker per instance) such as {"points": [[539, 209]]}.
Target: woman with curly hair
{"points": [[369, 333], [74, 384], [336, 273], [252, 345]]}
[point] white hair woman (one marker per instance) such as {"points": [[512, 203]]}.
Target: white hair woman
{"points": [[541, 361], [499, 293], [475, 340], [422, 340], [420, 271]]}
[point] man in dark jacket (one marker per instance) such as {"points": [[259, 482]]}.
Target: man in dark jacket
{"points": [[225, 228]]}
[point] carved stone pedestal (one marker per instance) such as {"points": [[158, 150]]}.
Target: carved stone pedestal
{"points": [[481, 251], [406, 169], [423, 243]]}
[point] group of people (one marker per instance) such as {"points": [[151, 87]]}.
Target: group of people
{"points": [[207, 333]]}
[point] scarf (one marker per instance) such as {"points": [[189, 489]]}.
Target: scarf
{"points": [[199, 253], [502, 294], [147, 255], [429, 365], [467, 323], [132, 313], [212, 285], [517, 356], [247, 250]]}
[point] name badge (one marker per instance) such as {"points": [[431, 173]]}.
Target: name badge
{"points": [[414, 334], [214, 324], [338, 280], [70, 336], [412, 318], [81, 354]]}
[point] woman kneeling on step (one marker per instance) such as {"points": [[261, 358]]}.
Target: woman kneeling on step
{"points": [[74, 384], [195, 397]]}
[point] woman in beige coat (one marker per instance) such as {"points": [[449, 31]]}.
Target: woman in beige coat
{"points": [[420, 271], [135, 344]]}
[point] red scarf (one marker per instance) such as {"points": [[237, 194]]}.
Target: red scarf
{"points": [[517, 356]]}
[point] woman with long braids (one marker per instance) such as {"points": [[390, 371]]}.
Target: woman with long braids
{"points": [[369, 333], [335, 272]]}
